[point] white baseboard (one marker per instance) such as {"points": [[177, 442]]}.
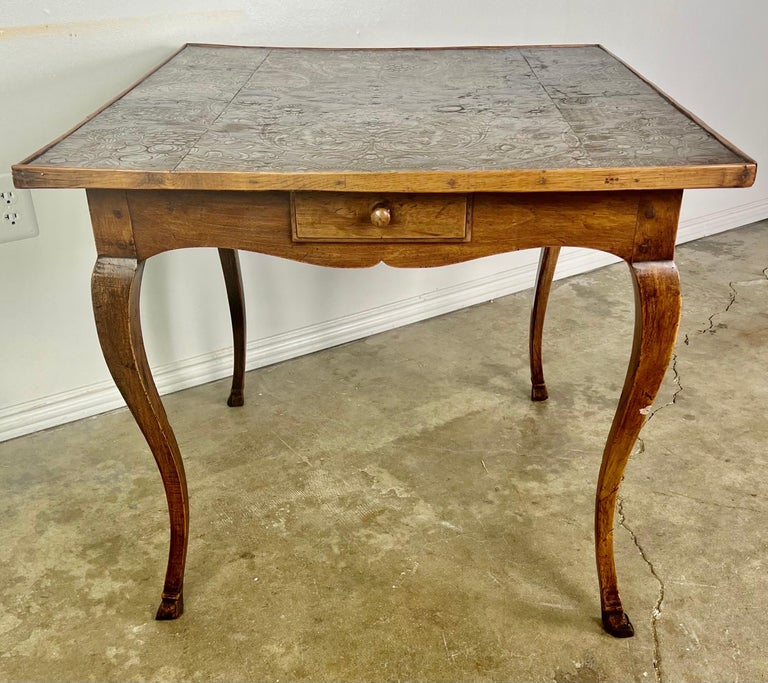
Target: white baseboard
{"points": [[80, 402], [694, 228]]}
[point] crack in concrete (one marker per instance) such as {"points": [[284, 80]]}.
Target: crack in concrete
{"points": [[675, 393], [712, 329], [640, 448], [656, 613], [731, 300]]}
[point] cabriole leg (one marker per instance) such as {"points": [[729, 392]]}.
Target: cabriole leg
{"points": [[230, 265], [657, 315], [116, 284], [544, 277]]}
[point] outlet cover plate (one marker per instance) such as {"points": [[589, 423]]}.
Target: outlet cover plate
{"points": [[18, 220]]}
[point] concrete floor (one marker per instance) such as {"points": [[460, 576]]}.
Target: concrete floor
{"points": [[397, 509]]}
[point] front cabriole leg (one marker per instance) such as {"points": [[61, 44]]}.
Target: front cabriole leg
{"points": [[657, 315], [116, 284]]}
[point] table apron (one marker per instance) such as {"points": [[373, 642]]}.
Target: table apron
{"points": [[634, 225]]}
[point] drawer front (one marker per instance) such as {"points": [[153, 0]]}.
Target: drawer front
{"points": [[368, 217]]}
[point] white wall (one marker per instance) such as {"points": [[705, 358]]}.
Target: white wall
{"points": [[62, 60]]}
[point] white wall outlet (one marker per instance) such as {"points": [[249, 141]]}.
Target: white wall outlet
{"points": [[17, 212]]}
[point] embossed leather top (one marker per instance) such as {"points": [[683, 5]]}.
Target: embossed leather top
{"points": [[456, 119]]}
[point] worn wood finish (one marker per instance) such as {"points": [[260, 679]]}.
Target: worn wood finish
{"points": [[261, 222], [544, 277], [233, 279], [378, 217], [116, 286], [459, 153], [657, 316], [405, 120], [533, 180]]}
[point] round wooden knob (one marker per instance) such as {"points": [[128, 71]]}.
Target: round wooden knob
{"points": [[381, 216]]}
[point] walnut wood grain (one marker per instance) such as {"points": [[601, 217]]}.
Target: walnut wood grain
{"points": [[349, 217], [116, 286], [657, 316], [261, 222], [524, 180], [544, 277]]}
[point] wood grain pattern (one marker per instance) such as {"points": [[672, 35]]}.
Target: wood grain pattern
{"points": [[116, 286], [347, 217], [261, 222], [403, 120], [522, 180], [657, 316]]}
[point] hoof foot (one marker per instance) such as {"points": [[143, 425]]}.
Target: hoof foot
{"points": [[170, 608], [618, 624], [539, 392], [236, 400]]}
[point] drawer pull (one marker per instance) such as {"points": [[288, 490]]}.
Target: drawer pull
{"points": [[381, 216]]}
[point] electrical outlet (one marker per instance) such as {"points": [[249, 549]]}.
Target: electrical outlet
{"points": [[17, 212]]}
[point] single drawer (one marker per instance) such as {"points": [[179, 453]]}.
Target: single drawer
{"points": [[368, 217]]}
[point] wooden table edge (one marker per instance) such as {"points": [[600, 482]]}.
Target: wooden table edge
{"points": [[513, 180]]}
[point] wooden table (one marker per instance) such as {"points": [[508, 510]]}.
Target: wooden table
{"points": [[413, 157]]}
